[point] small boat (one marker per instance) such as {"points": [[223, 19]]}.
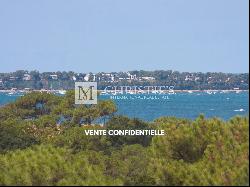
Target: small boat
{"points": [[209, 92], [11, 93], [62, 92]]}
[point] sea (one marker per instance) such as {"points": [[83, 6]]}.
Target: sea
{"points": [[190, 105]]}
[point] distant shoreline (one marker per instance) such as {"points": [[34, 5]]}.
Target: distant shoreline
{"points": [[177, 91]]}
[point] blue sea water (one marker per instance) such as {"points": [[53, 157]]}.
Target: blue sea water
{"points": [[184, 105]]}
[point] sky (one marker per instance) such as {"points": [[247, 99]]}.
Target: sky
{"points": [[123, 35]]}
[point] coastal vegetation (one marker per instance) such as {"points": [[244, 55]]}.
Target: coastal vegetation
{"points": [[180, 80], [42, 142]]}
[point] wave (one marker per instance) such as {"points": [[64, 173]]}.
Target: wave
{"points": [[239, 110]]}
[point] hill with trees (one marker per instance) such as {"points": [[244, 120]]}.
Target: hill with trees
{"points": [[180, 80]]}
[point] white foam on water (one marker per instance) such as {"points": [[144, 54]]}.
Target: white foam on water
{"points": [[239, 110]]}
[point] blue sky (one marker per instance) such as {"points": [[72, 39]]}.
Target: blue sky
{"points": [[121, 35]]}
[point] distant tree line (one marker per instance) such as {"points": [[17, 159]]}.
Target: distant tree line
{"points": [[180, 80]]}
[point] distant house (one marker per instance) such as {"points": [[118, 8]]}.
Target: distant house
{"points": [[54, 77], [94, 77], [197, 78], [106, 74], [86, 78], [228, 79], [13, 89], [12, 78], [27, 89], [112, 78], [209, 78], [26, 77], [188, 78], [133, 77], [1, 82], [148, 78], [128, 74]]}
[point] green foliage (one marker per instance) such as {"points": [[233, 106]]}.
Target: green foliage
{"points": [[84, 114], [205, 152], [75, 139], [13, 136], [123, 123], [36, 148], [130, 165], [30, 106], [46, 165]]}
